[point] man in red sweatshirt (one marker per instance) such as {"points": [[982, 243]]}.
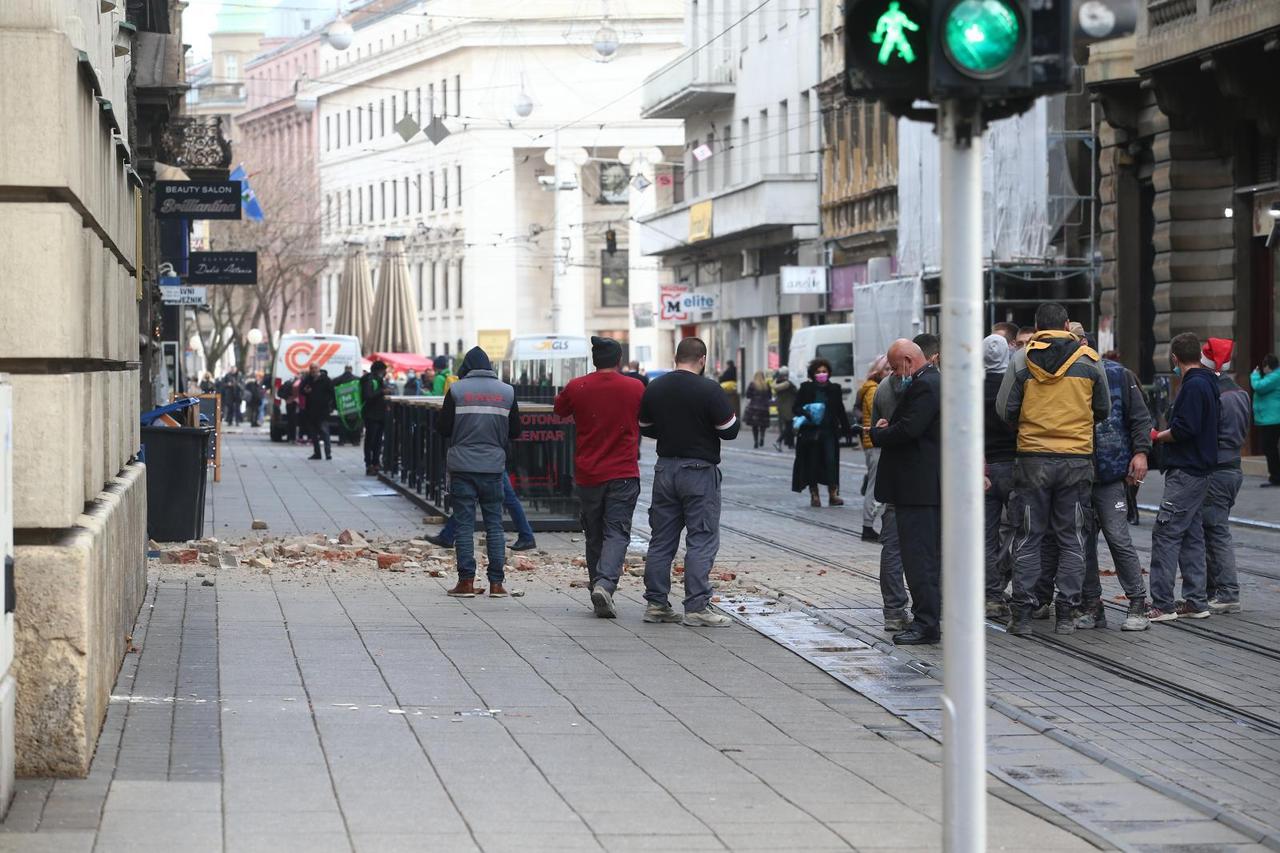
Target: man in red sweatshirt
{"points": [[605, 407]]}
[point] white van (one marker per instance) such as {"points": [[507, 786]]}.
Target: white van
{"points": [[834, 343], [297, 352]]}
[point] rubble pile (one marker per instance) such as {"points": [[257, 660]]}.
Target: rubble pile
{"points": [[353, 553]]}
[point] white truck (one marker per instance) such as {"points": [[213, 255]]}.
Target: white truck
{"points": [[297, 352], [833, 342]]}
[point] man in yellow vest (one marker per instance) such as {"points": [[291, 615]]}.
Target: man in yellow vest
{"points": [[1054, 391]]}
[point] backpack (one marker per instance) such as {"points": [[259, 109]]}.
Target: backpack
{"points": [[1112, 446]]}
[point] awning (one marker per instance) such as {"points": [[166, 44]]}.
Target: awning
{"points": [[402, 361], [355, 297], [395, 316]]}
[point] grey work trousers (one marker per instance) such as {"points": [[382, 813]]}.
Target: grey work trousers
{"points": [[686, 496], [870, 506], [1050, 495], [996, 502], [1178, 540], [1110, 516], [606, 512], [893, 584], [1220, 550]]}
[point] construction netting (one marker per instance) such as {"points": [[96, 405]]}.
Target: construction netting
{"points": [[1027, 190], [884, 311]]}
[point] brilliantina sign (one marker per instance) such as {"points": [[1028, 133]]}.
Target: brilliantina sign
{"points": [[222, 268], [197, 199]]}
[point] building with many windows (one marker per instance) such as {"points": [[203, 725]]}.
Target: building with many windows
{"points": [[745, 200], [502, 143]]}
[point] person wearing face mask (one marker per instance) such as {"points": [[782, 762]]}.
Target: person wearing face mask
{"points": [[910, 479], [1189, 459], [818, 439]]}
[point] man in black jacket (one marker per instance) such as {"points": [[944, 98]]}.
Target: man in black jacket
{"points": [[373, 401], [910, 463], [317, 389], [999, 446]]}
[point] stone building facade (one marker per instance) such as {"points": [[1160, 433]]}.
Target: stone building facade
{"points": [[1189, 177], [70, 206]]}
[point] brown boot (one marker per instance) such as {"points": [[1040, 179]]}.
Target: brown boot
{"points": [[497, 590], [833, 496], [814, 498], [464, 589]]}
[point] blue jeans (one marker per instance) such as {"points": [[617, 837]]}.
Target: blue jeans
{"points": [[466, 489], [515, 509]]}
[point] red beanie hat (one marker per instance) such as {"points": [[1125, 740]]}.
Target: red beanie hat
{"points": [[1216, 354]]}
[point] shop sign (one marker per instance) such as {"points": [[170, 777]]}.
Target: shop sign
{"points": [[183, 295], [700, 221], [494, 342], [678, 302], [197, 199], [803, 281], [222, 268]]}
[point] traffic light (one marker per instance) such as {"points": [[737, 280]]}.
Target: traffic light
{"points": [[980, 49], [1052, 59], [886, 48], [611, 241]]}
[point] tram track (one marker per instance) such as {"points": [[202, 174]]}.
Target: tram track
{"points": [[1206, 631], [1190, 695]]}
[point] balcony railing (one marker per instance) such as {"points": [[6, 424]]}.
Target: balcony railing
{"points": [[195, 142], [692, 83], [1163, 12]]}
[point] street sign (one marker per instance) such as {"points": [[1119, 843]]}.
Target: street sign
{"points": [[184, 295], [197, 199], [803, 281], [222, 268]]}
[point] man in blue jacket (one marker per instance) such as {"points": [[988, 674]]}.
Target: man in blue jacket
{"points": [[1189, 459], [1235, 419]]}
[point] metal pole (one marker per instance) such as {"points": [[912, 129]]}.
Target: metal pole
{"points": [[557, 271], [964, 809]]}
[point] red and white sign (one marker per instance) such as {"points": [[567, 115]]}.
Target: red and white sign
{"points": [[673, 308]]}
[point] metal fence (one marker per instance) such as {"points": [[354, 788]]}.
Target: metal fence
{"points": [[539, 463]]}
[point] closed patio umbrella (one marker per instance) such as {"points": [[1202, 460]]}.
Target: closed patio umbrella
{"points": [[355, 297], [395, 316]]}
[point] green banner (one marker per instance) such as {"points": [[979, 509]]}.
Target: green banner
{"points": [[349, 406]]}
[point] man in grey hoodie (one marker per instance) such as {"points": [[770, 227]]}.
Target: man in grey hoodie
{"points": [[480, 418]]}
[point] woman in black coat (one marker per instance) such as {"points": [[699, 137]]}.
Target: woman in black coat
{"points": [[818, 446]]}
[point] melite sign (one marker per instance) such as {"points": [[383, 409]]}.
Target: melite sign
{"points": [[197, 199], [222, 268]]}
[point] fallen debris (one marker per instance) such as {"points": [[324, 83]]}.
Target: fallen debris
{"points": [[258, 524]]}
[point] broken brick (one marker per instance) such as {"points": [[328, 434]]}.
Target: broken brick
{"points": [[386, 561], [180, 555]]}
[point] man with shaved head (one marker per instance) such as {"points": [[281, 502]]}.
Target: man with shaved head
{"points": [[909, 478]]}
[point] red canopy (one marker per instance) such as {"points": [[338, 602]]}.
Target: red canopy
{"points": [[402, 361]]}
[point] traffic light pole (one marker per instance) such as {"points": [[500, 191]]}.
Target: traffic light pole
{"points": [[963, 522]]}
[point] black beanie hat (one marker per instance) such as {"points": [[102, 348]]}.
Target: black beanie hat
{"points": [[605, 352]]}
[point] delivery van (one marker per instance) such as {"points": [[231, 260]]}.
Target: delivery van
{"points": [[834, 343], [297, 352]]}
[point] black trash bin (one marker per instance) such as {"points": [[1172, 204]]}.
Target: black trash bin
{"points": [[177, 469]]}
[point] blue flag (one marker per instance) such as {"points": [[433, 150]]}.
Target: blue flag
{"points": [[252, 210]]}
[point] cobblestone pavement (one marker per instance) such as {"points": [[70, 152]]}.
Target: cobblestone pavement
{"points": [[1187, 705], [365, 710]]}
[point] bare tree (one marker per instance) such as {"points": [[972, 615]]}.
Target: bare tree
{"points": [[290, 260]]}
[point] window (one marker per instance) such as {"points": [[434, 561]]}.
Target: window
{"points": [[613, 279], [744, 149], [328, 133], [444, 188], [434, 297], [418, 280], [406, 196], [458, 180], [431, 99], [458, 305], [677, 184], [457, 94], [614, 183], [359, 124], [431, 186], [382, 117], [726, 158], [370, 113], [360, 202], [418, 185], [382, 193], [444, 96], [763, 131], [840, 356], [370, 202], [446, 349], [328, 212], [784, 139], [231, 68], [348, 127], [806, 142], [393, 110], [417, 100], [350, 210], [395, 200]]}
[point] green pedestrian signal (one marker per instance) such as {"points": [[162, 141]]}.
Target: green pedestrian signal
{"points": [[981, 36], [890, 34]]}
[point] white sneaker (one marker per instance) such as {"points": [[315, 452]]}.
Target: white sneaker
{"points": [[706, 619]]}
